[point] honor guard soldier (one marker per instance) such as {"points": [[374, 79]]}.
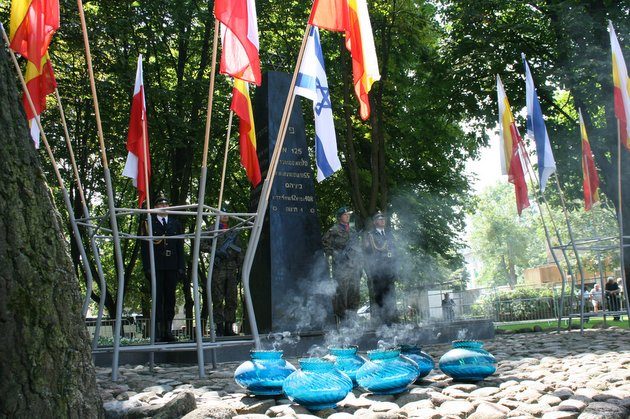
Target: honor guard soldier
{"points": [[342, 247], [169, 267], [381, 265], [228, 259]]}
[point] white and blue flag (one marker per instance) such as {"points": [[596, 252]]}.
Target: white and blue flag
{"points": [[537, 130], [312, 84]]}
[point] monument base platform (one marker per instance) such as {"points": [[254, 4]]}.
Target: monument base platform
{"points": [[474, 329]]}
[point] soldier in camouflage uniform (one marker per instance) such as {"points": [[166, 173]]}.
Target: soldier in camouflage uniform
{"points": [[340, 244], [225, 278]]}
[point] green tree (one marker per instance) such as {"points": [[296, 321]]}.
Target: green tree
{"points": [[568, 49], [505, 243]]}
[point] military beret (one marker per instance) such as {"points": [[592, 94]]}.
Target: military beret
{"points": [[343, 210]]}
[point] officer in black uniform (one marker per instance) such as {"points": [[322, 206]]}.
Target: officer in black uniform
{"points": [[169, 267], [380, 263]]}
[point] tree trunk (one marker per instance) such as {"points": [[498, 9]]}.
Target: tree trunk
{"points": [[45, 367]]}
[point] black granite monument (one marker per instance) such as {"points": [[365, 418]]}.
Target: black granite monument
{"points": [[290, 284]]}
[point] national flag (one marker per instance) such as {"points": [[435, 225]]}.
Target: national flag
{"points": [[32, 25], [312, 84], [537, 130], [621, 88], [239, 39], [591, 179], [242, 107], [352, 17], [138, 155], [39, 84], [330, 14], [511, 162]]}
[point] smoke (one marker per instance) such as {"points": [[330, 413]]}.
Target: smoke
{"points": [[348, 333], [317, 351], [462, 334], [280, 340]]}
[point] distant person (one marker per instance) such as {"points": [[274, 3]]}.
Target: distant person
{"points": [[381, 268], [169, 267], [341, 246], [612, 292], [596, 298], [448, 307]]}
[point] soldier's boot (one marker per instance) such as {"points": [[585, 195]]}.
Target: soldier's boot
{"points": [[159, 332], [218, 331], [228, 331], [168, 335]]}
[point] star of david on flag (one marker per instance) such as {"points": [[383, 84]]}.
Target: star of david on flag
{"points": [[312, 84]]}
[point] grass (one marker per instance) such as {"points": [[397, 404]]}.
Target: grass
{"points": [[547, 325]]}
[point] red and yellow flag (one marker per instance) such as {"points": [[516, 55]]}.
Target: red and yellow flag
{"points": [[621, 88], [33, 23], [242, 107], [511, 150], [591, 179], [239, 39], [352, 17], [39, 84]]}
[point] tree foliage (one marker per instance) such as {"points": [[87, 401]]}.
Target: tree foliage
{"points": [[408, 159], [568, 49]]}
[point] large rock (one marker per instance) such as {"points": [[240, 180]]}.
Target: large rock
{"points": [[602, 410], [217, 411], [179, 406], [490, 411], [460, 408]]}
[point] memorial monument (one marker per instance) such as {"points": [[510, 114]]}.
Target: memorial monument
{"points": [[290, 282]]}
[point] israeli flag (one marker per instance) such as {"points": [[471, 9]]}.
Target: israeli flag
{"points": [[537, 130], [312, 84]]}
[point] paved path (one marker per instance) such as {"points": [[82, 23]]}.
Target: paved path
{"points": [[540, 375]]}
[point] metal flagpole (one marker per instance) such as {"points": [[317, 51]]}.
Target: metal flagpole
{"points": [[575, 250], [265, 192], [110, 198], [66, 196], [213, 335], [200, 205], [620, 217], [532, 177], [560, 244], [90, 230]]}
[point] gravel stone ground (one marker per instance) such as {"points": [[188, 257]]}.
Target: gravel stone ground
{"points": [[539, 375]]}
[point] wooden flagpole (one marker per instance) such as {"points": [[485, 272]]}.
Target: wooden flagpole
{"points": [[66, 196], [110, 197], [214, 240], [145, 144], [95, 250], [200, 204], [266, 190], [620, 218]]}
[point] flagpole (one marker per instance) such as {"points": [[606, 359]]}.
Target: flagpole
{"points": [[93, 244], [88, 292], [110, 198], [587, 175], [533, 177], [266, 190], [217, 220], [66, 196], [145, 144], [200, 203], [620, 217]]}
